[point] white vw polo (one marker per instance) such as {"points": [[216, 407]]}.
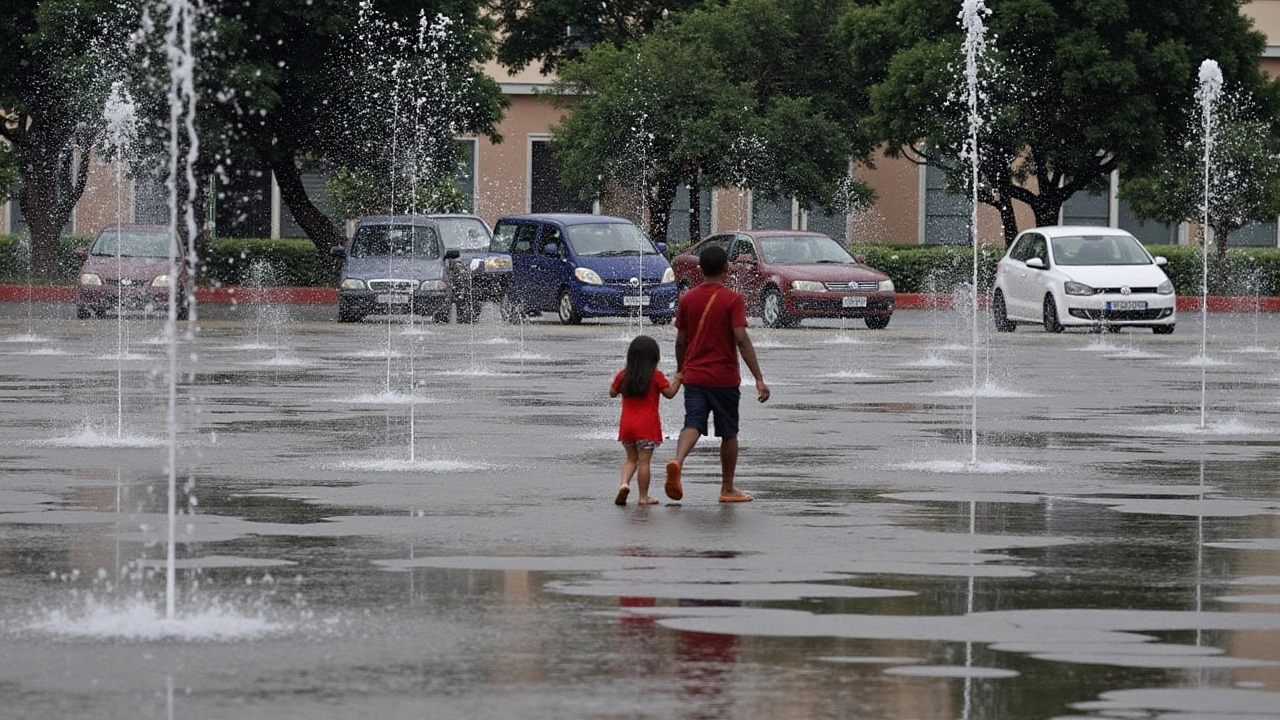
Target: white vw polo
{"points": [[1075, 276]]}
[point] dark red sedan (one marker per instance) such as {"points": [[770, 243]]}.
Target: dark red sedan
{"points": [[789, 275]]}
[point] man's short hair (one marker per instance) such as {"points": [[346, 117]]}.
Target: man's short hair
{"points": [[713, 261]]}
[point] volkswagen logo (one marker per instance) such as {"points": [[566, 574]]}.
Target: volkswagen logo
{"points": [[635, 282], [1126, 290]]}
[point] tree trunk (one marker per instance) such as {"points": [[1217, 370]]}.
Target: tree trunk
{"points": [[660, 199], [1008, 222], [53, 179], [316, 224], [695, 210]]}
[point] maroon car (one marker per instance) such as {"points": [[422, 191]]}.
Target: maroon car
{"points": [[127, 269], [789, 275]]}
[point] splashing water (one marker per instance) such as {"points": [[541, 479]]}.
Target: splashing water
{"points": [[1208, 95], [971, 18]]}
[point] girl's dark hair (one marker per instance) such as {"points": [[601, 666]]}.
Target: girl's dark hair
{"points": [[642, 360]]}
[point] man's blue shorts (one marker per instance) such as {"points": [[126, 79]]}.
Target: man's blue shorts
{"points": [[703, 400]]}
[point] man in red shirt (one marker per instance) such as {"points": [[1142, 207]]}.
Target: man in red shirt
{"points": [[711, 331]]}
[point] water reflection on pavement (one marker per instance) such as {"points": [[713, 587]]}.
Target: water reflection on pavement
{"points": [[401, 521]]}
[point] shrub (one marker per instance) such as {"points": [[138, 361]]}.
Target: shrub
{"points": [[931, 268], [269, 263]]}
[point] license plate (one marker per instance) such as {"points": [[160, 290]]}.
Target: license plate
{"points": [[849, 301], [393, 299], [1127, 305], [635, 300]]}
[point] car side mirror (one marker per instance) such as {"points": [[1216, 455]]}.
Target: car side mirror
{"points": [[551, 249], [1160, 260], [82, 251], [452, 254], [338, 251], [662, 248], [1036, 263], [860, 259], [745, 258]]}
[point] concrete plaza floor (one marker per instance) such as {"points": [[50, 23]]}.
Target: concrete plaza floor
{"points": [[404, 521]]}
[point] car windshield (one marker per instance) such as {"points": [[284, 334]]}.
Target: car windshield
{"points": [[1098, 250], [464, 233], [794, 249], [132, 243], [418, 241], [609, 240]]}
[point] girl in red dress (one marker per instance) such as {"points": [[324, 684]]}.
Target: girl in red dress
{"points": [[640, 427]]}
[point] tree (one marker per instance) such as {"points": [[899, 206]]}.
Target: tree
{"points": [[1243, 179], [716, 96], [52, 90], [1074, 90], [554, 31]]}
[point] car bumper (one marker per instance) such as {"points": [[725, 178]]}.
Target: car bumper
{"points": [[365, 302], [612, 301], [1135, 310], [103, 298], [840, 305]]}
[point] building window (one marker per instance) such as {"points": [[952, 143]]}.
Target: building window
{"points": [[678, 227], [1254, 235], [771, 214], [465, 174], [833, 224], [546, 194], [947, 215], [1148, 232], [1087, 208]]}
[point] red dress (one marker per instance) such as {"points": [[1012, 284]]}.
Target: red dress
{"points": [[640, 419]]}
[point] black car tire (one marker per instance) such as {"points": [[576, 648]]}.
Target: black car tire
{"points": [[1051, 322], [877, 322], [566, 311], [83, 312], [1001, 314], [347, 314], [1162, 329], [660, 319], [773, 311], [468, 312]]}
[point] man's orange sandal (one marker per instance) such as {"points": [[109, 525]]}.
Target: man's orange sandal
{"points": [[673, 488]]}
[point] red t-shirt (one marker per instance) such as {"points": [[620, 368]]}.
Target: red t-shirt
{"points": [[640, 419], [708, 313]]}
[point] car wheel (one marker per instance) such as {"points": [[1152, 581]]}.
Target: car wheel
{"points": [[1162, 329], [660, 319], [183, 310], [1051, 322], [877, 322], [467, 312], [83, 312], [1113, 328], [1003, 324], [565, 309], [772, 309], [509, 310]]}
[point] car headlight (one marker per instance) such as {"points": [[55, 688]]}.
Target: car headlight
{"points": [[429, 285], [808, 286], [1165, 288], [160, 281], [90, 279], [588, 276], [1078, 288], [885, 286], [491, 264], [668, 275], [351, 284]]}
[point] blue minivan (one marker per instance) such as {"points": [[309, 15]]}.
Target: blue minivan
{"points": [[582, 266]]}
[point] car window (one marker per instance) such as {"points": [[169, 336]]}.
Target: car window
{"points": [[551, 234], [796, 249], [1021, 249], [417, 241], [609, 240], [742, 245], [1099, 250], [131, 243], [1032, 245], [720, 241], [514, 237], [464, 233]]}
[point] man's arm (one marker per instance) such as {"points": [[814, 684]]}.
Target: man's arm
{"points": [[682, 342], [748, 352]]}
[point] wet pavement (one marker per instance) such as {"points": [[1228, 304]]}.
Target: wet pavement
{"points": [[406, 521]]}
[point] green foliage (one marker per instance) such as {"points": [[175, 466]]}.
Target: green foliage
{"points": [[356, 193], [931, 268], [1241, 271], [15, 258], [266, 263]]}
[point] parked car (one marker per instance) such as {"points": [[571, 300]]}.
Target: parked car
{"points": [[482, 274], [1094, 277], [127, 268], [789, 275], [395, 264], [582, 266]]}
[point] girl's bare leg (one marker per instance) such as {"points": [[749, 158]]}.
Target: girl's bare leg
{"points": [[628, 469], [643, 457]]}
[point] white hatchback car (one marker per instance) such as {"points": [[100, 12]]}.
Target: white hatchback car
{"points": [[1069, 276]]}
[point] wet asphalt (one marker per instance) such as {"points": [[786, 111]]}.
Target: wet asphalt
{"points": [[416, 520]]}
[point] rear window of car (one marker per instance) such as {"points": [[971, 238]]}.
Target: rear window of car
{"points": [[464, 233], [418, 241], [131, 243]]}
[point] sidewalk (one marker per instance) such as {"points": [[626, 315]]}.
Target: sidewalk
{"points": [[329, 296]]}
